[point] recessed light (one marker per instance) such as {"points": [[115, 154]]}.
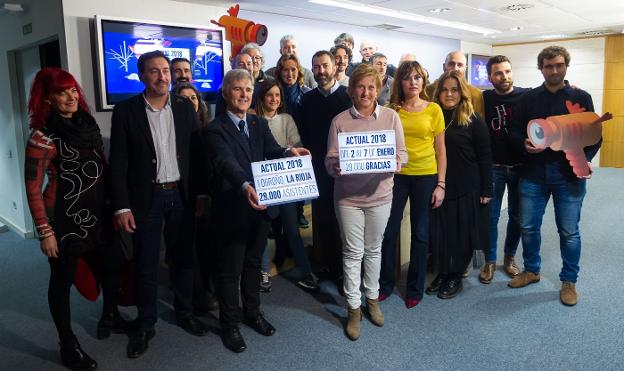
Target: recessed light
{"points": [[439, 10], [517, 28], [516, 7]]}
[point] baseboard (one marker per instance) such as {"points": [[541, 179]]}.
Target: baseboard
{"points": [[10, 226]]}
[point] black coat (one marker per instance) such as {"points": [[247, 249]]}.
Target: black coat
{"points": [[231, 157], [133, 155]]}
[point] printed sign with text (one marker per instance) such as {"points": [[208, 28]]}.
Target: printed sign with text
{"points": [[367, 152], [284, 180]]}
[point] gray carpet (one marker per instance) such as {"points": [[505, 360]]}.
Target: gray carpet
{"points": [[489, 327]]}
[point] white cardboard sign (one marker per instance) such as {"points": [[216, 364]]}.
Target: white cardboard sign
{"points": [[284, 180], [367, 152]]}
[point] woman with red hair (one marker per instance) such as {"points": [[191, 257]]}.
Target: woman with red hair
{"points": [[65, 144]]}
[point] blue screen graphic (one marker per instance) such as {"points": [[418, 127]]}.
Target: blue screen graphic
{"points": [[124, 42], [478, 71]]}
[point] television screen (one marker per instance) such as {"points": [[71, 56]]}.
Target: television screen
{"points": [[477, 71], [121, 42]]}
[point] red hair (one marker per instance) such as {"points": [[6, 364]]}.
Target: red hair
{"points": [[50, 80]]}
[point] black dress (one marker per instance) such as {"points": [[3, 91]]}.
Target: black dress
{"points": [[461, 224]]}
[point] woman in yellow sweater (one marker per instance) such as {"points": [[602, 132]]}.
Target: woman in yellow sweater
{"points": [[421, 179]]}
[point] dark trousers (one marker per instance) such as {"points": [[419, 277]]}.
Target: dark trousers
{"points": [[239, 255], [419, 189], [62, 273], [167, 207]]}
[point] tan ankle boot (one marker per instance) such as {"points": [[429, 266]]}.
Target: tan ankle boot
{"points": [[374, 311], [510, 266], [353, 324], [568, 294], [487, 273]]}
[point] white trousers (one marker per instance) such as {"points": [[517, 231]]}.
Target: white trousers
{"points": [[361, 229]]}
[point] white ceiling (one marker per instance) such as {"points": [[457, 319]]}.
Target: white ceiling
{"points": [[568, 18]]}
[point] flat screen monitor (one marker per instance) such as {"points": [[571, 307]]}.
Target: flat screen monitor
{"points": [[120, 42], [477, 71]]}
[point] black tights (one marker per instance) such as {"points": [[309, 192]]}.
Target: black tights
{"points": [[62, 272]]}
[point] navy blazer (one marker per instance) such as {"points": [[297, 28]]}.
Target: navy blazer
{"points": [[133, 155]]}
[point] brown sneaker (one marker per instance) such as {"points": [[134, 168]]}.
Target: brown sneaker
{"points": [[523, 279], [487, 272], [510, 266], [374, 311], [568, 294], [353, 324]]}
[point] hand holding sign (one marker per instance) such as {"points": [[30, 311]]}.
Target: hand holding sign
{"points": [[284, 180]]}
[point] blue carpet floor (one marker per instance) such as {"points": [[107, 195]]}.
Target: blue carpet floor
{"points": [[487, 327]]}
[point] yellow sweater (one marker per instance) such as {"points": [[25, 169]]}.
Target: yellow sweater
{"points": [[420, 129]]}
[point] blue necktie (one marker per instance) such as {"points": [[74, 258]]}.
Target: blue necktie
{"points": [[241, 129]]}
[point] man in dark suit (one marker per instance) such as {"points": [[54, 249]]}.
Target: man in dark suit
{"points": [[150, 141], [232, 142]]}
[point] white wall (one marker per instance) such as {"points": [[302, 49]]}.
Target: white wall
{"points": [[586, 66], [47, 24], [476, 48], [313, 35]]}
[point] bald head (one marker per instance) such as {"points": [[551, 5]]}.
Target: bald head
{"points": [[455, 61], [407, 57]]}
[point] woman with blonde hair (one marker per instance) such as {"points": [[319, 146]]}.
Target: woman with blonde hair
{"points": [[460, 225], [362, 201], [422, 179]]}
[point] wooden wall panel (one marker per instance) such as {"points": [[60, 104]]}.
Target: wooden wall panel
{"points": [[612, 151]]}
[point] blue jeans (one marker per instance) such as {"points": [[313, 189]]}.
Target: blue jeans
{"points": [[567, 201], [504, 176]]}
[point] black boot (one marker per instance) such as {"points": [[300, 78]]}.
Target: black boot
{"points": [[75, 358], [111, 322]]}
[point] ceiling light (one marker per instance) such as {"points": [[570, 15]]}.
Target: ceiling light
{"points": [[517, 28], [516, 7], [554, 36], [439, 10], [11, 8], [377, 10]]}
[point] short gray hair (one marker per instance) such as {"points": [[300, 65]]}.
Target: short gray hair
{"points": [[235, 75], [287, 38], [253, 46], [236, 59]]}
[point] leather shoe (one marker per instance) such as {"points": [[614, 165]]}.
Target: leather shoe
{"points": [[509, 264], [233, 340], [450, 288], [138, 342], [260, 325], [75, 358], [487, 273], [523, 279], [193, 326], [111, 323], [434, 286]]}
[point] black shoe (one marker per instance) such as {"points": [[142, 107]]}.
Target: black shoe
{"points": [[451, 288], [309, 282], [193, 326], [265, 282], [303, 222], [434, 286], [111, 322], [260, 324], [233, 340], [75, 358], [138, 342]]}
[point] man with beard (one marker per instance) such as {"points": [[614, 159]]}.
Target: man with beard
{"points": [[546, 172], [500, 106], [317, 110], [181, 70], [342, 54]]}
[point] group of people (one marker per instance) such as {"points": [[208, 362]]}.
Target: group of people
{"points": [[173, 172]]}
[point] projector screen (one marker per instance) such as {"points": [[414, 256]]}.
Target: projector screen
{"points": [[120, 42]]}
